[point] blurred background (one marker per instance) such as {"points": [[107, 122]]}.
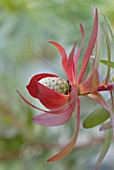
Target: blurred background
{"points": [[25, 28]]}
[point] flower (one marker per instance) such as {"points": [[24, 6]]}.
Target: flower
{"points": [[61, 97]]}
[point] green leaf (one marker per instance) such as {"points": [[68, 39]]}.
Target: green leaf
{"points": [[104, 148], [106, 63], [113, 78], [109, 26], [95, 118], [106, 126], [108, 45], [98, 43]]}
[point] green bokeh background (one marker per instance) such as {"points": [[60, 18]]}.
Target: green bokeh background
{"points": [[25, 27]]}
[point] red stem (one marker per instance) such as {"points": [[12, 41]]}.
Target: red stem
{"points": [[109, 87]]}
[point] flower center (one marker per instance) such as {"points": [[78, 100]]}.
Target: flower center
{"points": [[57, 84]]}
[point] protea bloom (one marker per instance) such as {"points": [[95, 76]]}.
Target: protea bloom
{"points": [[61, 96]]}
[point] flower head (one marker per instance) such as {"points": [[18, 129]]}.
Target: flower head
{"points": [[61, 96]]}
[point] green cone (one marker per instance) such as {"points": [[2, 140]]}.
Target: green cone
{"points": [[56, 83]]}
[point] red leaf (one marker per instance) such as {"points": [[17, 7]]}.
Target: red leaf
{"points": [[99, 99], [47, 119], [79, 50], [50, 98], [70, 66], [89, 48], [91, 82], [32, 87], [54, 111], [70, 146], [62, 52]]}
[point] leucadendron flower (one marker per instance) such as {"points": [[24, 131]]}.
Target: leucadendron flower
{"points": [[61, 96]]}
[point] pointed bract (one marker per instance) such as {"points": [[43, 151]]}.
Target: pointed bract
{"points": [[76, 57], [70, 146], [89, 48], [70, 71], [91, 83], [62, 52], [47, 119]]}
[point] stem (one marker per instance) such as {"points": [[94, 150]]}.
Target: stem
{"points": [[109, 87]]}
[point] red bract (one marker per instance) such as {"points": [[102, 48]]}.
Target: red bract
{"points": [[61, 106]]}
